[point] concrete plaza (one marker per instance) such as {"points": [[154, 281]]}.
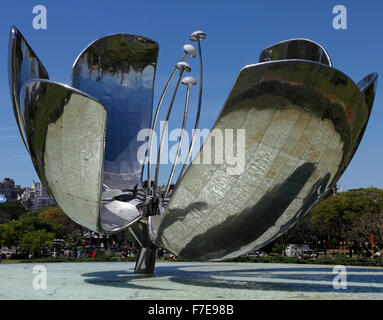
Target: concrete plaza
{"points": [[176, 280]]}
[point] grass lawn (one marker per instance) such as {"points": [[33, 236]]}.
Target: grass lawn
{"points": [[8, 261], [328, 260]]}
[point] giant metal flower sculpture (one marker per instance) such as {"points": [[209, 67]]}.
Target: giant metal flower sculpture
{"points": [[303, 121]]}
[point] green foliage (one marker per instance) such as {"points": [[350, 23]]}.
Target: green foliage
{"points": [[103, 258], [28, 232], [333, 217], [34, 241], [325, 260], [58, 217], [11, 211], [74, 240], [29, 222], [8, 235], [346, 216]]}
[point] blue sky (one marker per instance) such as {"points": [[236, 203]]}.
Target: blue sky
{"points": [[236, 33]]}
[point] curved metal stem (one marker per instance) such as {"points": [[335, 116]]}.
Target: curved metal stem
{"points": [[180, 141], [197, 118], [164, 129], [155, 124]]}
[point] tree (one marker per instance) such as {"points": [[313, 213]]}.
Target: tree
{"points": [[75, 239], [301, 233], [57, 216], [32, 222], [8, 235], [366, 224], [13, 232], [348, 216], [35, 241], [11, 211], [333, 217]]}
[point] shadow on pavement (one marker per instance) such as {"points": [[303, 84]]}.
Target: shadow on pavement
{"points": [[360, 280]]}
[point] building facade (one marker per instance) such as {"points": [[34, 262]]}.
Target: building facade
{"points": [[10, 190], [36, 197]]}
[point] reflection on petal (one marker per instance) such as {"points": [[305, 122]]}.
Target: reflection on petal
{"points": [[23, 65], [296, 49], [368, 87], [66, 130], [119, 71], [298, 142]]}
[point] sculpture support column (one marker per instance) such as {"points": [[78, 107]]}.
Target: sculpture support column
{"points": [[146, 261], [147, 253]]}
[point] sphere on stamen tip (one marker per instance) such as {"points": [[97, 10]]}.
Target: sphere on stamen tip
{"points": [[198, 35], [183, 66], [190, 50], [189, 81]]}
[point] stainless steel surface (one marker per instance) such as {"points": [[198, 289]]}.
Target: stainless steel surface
{"points": [[149, 179], [198, 35], [368, 87], [182, 67], [146, 261], [195, 36], [119, 70], [188, 81], [139, 231], [65, 129], [23, 65], [304, 49], [301, 122], [118, 215], [189, 51], [66, 133], [147, 254], [298, 141]]}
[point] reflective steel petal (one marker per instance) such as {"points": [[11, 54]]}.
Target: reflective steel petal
{"points": [[303, 122], [65, 130], [119, 70], [118, 215], [66, 133], [304, 49], [368, 87], [23, 65]]}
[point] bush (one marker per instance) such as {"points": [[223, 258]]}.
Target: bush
{"points": [[103, 258], [327, 260]]}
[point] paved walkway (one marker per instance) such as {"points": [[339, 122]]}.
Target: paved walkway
{"points": [[174, 280]]}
